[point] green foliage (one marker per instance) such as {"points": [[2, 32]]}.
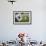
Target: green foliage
{"points": [[25, 18]]}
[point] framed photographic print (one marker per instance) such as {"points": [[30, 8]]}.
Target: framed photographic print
{"points": [[22, 17]]}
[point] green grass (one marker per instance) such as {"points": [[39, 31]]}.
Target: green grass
{"points": [[25, 18]]}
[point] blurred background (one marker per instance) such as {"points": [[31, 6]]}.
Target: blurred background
{"points": [[9, 31]]}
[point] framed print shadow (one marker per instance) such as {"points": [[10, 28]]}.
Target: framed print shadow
{"points": [[22, 17]]}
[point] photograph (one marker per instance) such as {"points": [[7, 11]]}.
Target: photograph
{"points": [[22, 17], [22, 22]]}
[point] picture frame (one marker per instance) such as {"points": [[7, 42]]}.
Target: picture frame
{"points": [[22, 17]]}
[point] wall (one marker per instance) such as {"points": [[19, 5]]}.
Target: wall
{"points": [[9, 31]]}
